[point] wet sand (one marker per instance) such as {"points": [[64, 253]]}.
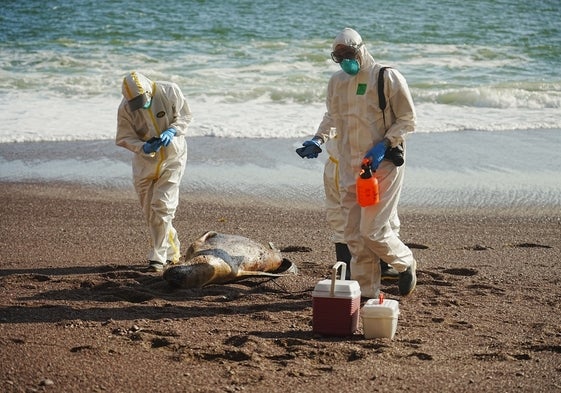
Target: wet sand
{"points": [[515, 172]]}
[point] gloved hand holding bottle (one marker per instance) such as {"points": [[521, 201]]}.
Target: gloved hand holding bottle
{"points": [[167, 136], [152, 145], [310, 149], [376, 154]]}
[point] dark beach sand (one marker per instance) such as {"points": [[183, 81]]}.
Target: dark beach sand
{"points": [[79, 314]]}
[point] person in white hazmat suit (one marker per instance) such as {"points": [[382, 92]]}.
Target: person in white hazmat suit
{"points": [[334, 213], [364, 130], [152, 122]]}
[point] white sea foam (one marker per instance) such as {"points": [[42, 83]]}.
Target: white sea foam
{"points": [[26, 118]]}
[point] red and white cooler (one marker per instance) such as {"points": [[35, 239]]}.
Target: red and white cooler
{"points": [[336, 304]]}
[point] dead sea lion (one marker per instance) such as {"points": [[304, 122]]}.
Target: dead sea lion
{"points": [[217, 258]]}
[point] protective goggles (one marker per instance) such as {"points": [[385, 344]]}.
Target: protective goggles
{"points": [[347, 52]]}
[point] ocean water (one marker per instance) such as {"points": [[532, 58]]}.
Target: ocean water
{"points": [[259, 69]]}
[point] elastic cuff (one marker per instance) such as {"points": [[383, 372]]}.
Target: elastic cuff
{"points": [[318, 139]]}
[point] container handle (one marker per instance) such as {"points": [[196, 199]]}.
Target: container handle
{"points": [[338, 265]]}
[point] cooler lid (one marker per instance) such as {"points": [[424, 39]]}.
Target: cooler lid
{"points": [[373, 308], [343, 289]]}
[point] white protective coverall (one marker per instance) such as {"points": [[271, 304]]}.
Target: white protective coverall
{"points": [[353, 110], [156, 177], [334, 211], [334, 215]]}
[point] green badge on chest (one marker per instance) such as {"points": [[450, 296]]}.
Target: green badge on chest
{"points": [[361, 89]]}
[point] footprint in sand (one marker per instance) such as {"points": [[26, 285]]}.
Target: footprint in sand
{"points": [[477, 247], [531, 245], [461, 272]]}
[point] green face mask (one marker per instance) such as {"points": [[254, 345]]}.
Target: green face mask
{"points": [[148, 103], [350, 66]]}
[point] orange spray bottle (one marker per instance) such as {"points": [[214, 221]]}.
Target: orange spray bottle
{"points": [[367, 192]]}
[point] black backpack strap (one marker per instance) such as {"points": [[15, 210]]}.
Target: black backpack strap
{"points": [[381, 96]]}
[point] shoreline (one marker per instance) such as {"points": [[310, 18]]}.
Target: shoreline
{"points": [[464, 172], [110, 193]]}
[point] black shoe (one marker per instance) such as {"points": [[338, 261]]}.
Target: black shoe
{"points": [[343, 254], [156, 266], [408, 280], [388, 272]]}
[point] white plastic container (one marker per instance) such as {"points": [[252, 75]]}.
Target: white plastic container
{"points": [[336, 305], [379, 319]]}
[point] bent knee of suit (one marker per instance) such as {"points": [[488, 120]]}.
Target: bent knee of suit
{"points": [[162, 208], [374, 236]]}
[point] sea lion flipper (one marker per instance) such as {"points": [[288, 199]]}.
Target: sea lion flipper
{"points": [[207, 235], [286, 267], [257, 273]]}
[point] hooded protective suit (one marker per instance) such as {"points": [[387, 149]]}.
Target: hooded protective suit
{"points": [[353, 110], [156, 176], [334, 211], [331, 187]]}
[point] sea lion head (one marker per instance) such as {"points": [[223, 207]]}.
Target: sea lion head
{"points": [[200, 271]]}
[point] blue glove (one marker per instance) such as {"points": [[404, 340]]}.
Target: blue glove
{"points": [[167, 136], [377, 153], [310, 149], [152, 145]]}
